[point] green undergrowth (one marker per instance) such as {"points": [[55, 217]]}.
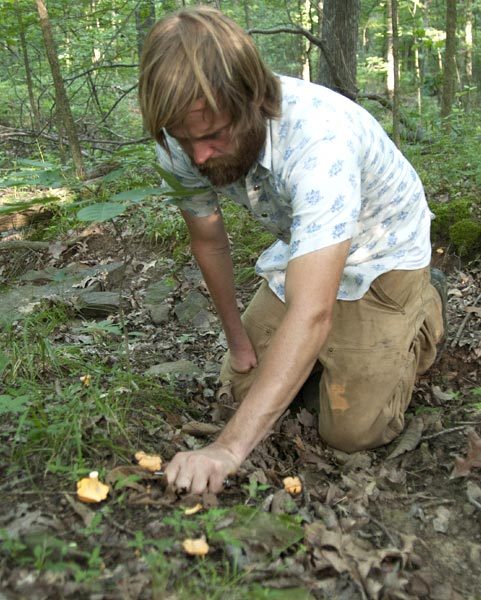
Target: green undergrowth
{"points": [[448, 164], [69, 396]]}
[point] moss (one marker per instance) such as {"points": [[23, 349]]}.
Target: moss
{"points": [[466, 236], [447, 215]]}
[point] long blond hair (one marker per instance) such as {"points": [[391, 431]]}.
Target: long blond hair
{"points": [[198, 53]]}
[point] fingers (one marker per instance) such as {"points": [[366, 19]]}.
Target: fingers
{"points": [[200, 470]]}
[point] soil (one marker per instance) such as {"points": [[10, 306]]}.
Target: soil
{"points": [[371, 525]]}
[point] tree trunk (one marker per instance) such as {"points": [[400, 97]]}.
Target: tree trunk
{"points": [[396, 121], [468, 58], [144, 20], [28, 72], [389, 51], [449, 80], [340, 24], [63, 106]]}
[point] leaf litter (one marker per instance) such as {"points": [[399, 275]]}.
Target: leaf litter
{"points": [[388, 523]]}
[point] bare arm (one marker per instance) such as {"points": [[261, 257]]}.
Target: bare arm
{"points": [[312, 282], [210, 247]]}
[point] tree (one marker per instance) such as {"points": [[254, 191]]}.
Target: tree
{"points": [[340, 25], [64, 112], [392, 7], [28, 72], [449, 81]]}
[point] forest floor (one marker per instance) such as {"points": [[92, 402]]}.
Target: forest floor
{"points": [[399, 522]]}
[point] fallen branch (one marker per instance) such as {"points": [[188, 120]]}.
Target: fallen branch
{"points": [[444, 432]]}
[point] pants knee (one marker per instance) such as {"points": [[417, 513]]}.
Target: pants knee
{"points": [[349, 437]]}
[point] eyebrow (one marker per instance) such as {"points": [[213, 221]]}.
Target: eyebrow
{"points": [[206, 136]]}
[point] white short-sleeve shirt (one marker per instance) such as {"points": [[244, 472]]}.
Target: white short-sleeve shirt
{"points": [[328, 172]]}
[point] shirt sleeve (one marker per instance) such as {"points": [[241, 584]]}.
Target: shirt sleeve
{"points": [[204, 203], [324, 184]]}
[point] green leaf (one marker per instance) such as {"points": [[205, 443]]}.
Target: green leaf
{"points": [[35, 163], [267, 533], [98, 213], [138, 194], [174, 183], [113, 175], [14, 207], [10, 404], [4, 362]]}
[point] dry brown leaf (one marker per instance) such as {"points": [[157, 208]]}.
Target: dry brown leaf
{"points": [[198, 547], [90, 489], [410, 439], [198, 429], [292, 485], [149, 462], [463, 466], [128, 476], [473, 309]]}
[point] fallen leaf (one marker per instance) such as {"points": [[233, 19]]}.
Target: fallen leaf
{"points": [[463, 466], [90, 489], [198, 429], [473, 309], [473, 492], [193, 510], [149, 462], [409, 439], [441, 521], [292, 485], [127, 476], [198, 547], [86, 514], [440, 395]]}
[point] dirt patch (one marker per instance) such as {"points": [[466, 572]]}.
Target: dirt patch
{"points": [[363, 526]]}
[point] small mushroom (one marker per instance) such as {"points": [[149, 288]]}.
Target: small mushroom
{"points": [[193, 510], [149, 462], [90, 489], [198, 547], [86, 380], [292, 485]]}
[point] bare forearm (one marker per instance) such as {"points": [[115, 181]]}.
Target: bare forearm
{"points": [[215, 263], [284, 369]]}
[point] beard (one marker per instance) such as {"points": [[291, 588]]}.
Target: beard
{"points": [[225, 170]]}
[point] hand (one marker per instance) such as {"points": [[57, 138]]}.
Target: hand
{"points": [[200, 470], [242, 360]]}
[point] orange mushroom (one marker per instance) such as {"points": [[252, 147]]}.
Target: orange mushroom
{"points": [[198, 547], [90, 489], [149, 462], [292, 485]]}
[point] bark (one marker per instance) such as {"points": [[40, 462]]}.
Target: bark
{"points": [[340, 24], [144, 20], [396, 122], [63, 106], [28, 72], [389, 51], [449, 80]]}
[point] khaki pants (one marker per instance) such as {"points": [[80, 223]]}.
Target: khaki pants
{"points": [[369, 362]]}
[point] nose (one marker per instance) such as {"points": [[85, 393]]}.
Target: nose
{"points": [[202, 151]]}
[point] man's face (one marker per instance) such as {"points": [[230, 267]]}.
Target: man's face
{"points": [[207, 139]]}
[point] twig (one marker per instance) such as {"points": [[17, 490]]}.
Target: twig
{"points": [[463, 324], [383, 528], [435, 435]]}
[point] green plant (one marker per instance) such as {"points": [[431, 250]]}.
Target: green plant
{"points": [[466, 236]]}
